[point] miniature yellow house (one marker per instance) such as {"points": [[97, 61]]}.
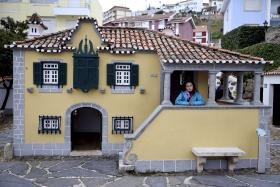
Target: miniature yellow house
{"points": [[113, 89]]}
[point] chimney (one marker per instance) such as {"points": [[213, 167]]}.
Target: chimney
{"points": [[35, 26]]}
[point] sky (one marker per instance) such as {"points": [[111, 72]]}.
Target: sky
{"points": [[134, 4]]}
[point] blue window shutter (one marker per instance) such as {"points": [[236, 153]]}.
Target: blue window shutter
{"points": [[62, 79], [86, 73], [111, 74], [37, 73], [93, 73], [134, 75]]}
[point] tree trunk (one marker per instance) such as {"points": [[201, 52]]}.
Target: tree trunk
{"points": [[8, 89]]}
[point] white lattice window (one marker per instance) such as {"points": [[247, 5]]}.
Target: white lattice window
{"points": [[50, 73], [122, 75], [50, 124], [122, 125]]}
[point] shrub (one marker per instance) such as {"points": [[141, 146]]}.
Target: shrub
{"points": [[267, 51], [242, 37]]}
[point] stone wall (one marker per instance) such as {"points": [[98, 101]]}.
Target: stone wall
{"points": [[273, 35]]}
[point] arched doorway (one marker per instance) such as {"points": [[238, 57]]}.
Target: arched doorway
{"points": [[86, 129]]}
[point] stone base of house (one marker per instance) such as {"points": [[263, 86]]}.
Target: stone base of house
{"points": [[142, 166], [58, 149]]}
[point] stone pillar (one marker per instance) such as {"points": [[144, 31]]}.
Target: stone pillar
{"points": [[212, 88], [239, 90], [257, 88], [225, 86], [166, 88]]}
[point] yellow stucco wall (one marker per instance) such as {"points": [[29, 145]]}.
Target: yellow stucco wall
{"points": [[202, 84], [137, 105], [174, 132], [140, 106]]}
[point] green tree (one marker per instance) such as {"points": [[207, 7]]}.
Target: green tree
{"points": [[10, 31]]}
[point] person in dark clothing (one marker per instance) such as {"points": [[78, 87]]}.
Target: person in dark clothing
{"points": [[220, 90]]}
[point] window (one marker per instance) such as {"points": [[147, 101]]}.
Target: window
{"points": [[122, 125], [252, 5], [122, 75], [49, 124], [198, 34], [52, 73], [161, 24]]}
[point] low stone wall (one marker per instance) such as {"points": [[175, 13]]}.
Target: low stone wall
{"points": [[273, 35]]}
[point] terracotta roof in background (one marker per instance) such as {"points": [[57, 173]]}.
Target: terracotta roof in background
{"points": [[36, 19], [125, 40], [275, 71], [201, 28]]}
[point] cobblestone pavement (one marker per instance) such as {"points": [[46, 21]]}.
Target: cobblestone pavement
{"points": [[86, 171]]}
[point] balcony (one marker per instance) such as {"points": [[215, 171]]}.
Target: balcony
{"points": [[72, 8]]}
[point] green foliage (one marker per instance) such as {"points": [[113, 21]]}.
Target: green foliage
{"points": [[242, 37], [267, 51], [10, 31], [216, 26]]}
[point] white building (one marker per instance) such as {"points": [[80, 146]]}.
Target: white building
{"points": [[116, 12], [250, 12], [193, 5], [271, 93]]}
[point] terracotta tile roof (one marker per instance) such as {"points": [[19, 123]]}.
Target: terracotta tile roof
{"points": [[275, 71], [130, 40], [36, 19]]}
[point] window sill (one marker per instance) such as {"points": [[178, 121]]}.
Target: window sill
{"points": [[50, 89], [122, 90]]}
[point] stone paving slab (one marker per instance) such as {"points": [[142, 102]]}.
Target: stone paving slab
{"points": [[83, 172]]}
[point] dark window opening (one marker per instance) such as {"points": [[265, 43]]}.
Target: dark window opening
{"points": [[86, 129], [276, 106]]}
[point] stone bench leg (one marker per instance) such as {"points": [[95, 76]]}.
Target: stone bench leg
{"points": [[200, 161], [231, 163]]}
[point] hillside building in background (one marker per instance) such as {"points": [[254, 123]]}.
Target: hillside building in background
{"points": [[182, 26], [116, 12], [201, 35], [56, 15]]}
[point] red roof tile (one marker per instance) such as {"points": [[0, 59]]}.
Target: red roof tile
{"points": [[36, 19], [275, 71], [129, 40]]}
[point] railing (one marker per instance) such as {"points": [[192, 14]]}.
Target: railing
{"points": [[275, 16], [63, 3]]}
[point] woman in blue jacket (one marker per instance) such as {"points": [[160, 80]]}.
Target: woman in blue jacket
{"points": [[190, 96]]}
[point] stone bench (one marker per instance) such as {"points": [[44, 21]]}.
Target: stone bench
{"points": [[202, 153]]}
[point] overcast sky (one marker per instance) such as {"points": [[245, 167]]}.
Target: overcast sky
{"points": [[134, 4]]}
